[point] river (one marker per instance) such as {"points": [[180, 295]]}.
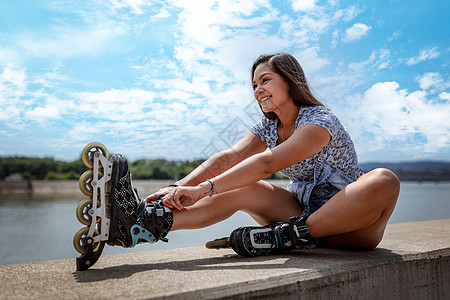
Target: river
{"points": [[42, 229]]}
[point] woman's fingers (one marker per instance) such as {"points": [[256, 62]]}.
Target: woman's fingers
{"points": [[152, 197], [155, 196], [176, 197], [171, 201]]}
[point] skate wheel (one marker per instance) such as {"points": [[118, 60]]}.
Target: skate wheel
{"points": [[85, 183], [87, 155], [79, 240], [219, 243], [83, 211]]}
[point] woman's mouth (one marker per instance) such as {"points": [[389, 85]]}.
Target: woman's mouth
{"points": [[264, 99]]}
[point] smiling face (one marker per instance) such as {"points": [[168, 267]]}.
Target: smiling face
{"points": [[271, 90]]}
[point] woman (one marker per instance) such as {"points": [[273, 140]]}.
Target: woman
{"points": [[330, 201]]}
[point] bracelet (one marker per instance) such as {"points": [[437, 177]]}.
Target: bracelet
{"points": [[173, 185], [212, 187]]}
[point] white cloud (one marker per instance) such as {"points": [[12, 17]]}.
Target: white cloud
{"points": [[378, 59], [356, 32], [116, 105], [335, 38], [42, 114], [303, 5], [346, 14], [432, 79], [425, 54], [162, 14], [136, 6], [12, 87], [50, 79], [65, 42], [310, 60], [395, 35], [8, 55], [445, 96], [13, 75], [385, 114]]}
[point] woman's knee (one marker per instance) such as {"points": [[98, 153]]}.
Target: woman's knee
{"points": [[385, 184]]}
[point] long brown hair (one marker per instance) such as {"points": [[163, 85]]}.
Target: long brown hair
{"points": [[288, 67]]}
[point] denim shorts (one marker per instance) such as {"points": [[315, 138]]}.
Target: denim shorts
{"points": [[328, 181]]}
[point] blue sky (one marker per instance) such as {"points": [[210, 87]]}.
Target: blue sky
{"points": [[171, 79]]}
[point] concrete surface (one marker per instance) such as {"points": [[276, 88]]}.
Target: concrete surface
{"points": [[412, 262]]}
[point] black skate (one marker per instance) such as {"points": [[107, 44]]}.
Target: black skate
{"points": [[133, 220], [117, 216], [272, 239]]}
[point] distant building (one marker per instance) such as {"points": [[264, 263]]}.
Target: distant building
{"points": [[14, 178]]}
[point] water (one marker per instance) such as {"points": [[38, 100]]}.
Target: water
{"points": [[37, 230]]}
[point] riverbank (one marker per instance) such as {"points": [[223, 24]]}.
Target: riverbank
{"points": [[412, 262]]}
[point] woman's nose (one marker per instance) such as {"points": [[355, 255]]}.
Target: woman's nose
{"points": [[258, 90]]}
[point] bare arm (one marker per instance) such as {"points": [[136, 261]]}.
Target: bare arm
{"points": [[224, 160], [249, 145], [306, 140]]}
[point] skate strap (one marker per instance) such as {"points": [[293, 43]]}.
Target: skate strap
{"points": [[298, 231], [158, 217], [140, 209], [277, 235], [292, 231], [160, 209]]}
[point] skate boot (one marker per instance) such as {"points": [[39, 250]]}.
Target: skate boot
{"points": [[134, 221], [113, 213], [272, 239]]}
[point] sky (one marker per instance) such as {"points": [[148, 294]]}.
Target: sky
{"points": [[171, 79]]}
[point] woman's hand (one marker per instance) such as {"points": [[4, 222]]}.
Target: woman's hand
{"points": [[178, 197], [163, 191]]}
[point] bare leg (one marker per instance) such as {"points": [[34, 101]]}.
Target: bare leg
{"points": [[264, 202], [356, 217]]}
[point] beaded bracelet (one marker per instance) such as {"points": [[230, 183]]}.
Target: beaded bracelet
{"points": [[212, 187]]}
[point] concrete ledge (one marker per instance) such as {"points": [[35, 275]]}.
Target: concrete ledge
{"points": [[412, 262]]}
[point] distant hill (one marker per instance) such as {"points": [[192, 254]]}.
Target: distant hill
{"points": [[414, 171]]}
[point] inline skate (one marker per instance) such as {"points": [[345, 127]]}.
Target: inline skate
{"points": [[275, 238], [113, 214]]}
